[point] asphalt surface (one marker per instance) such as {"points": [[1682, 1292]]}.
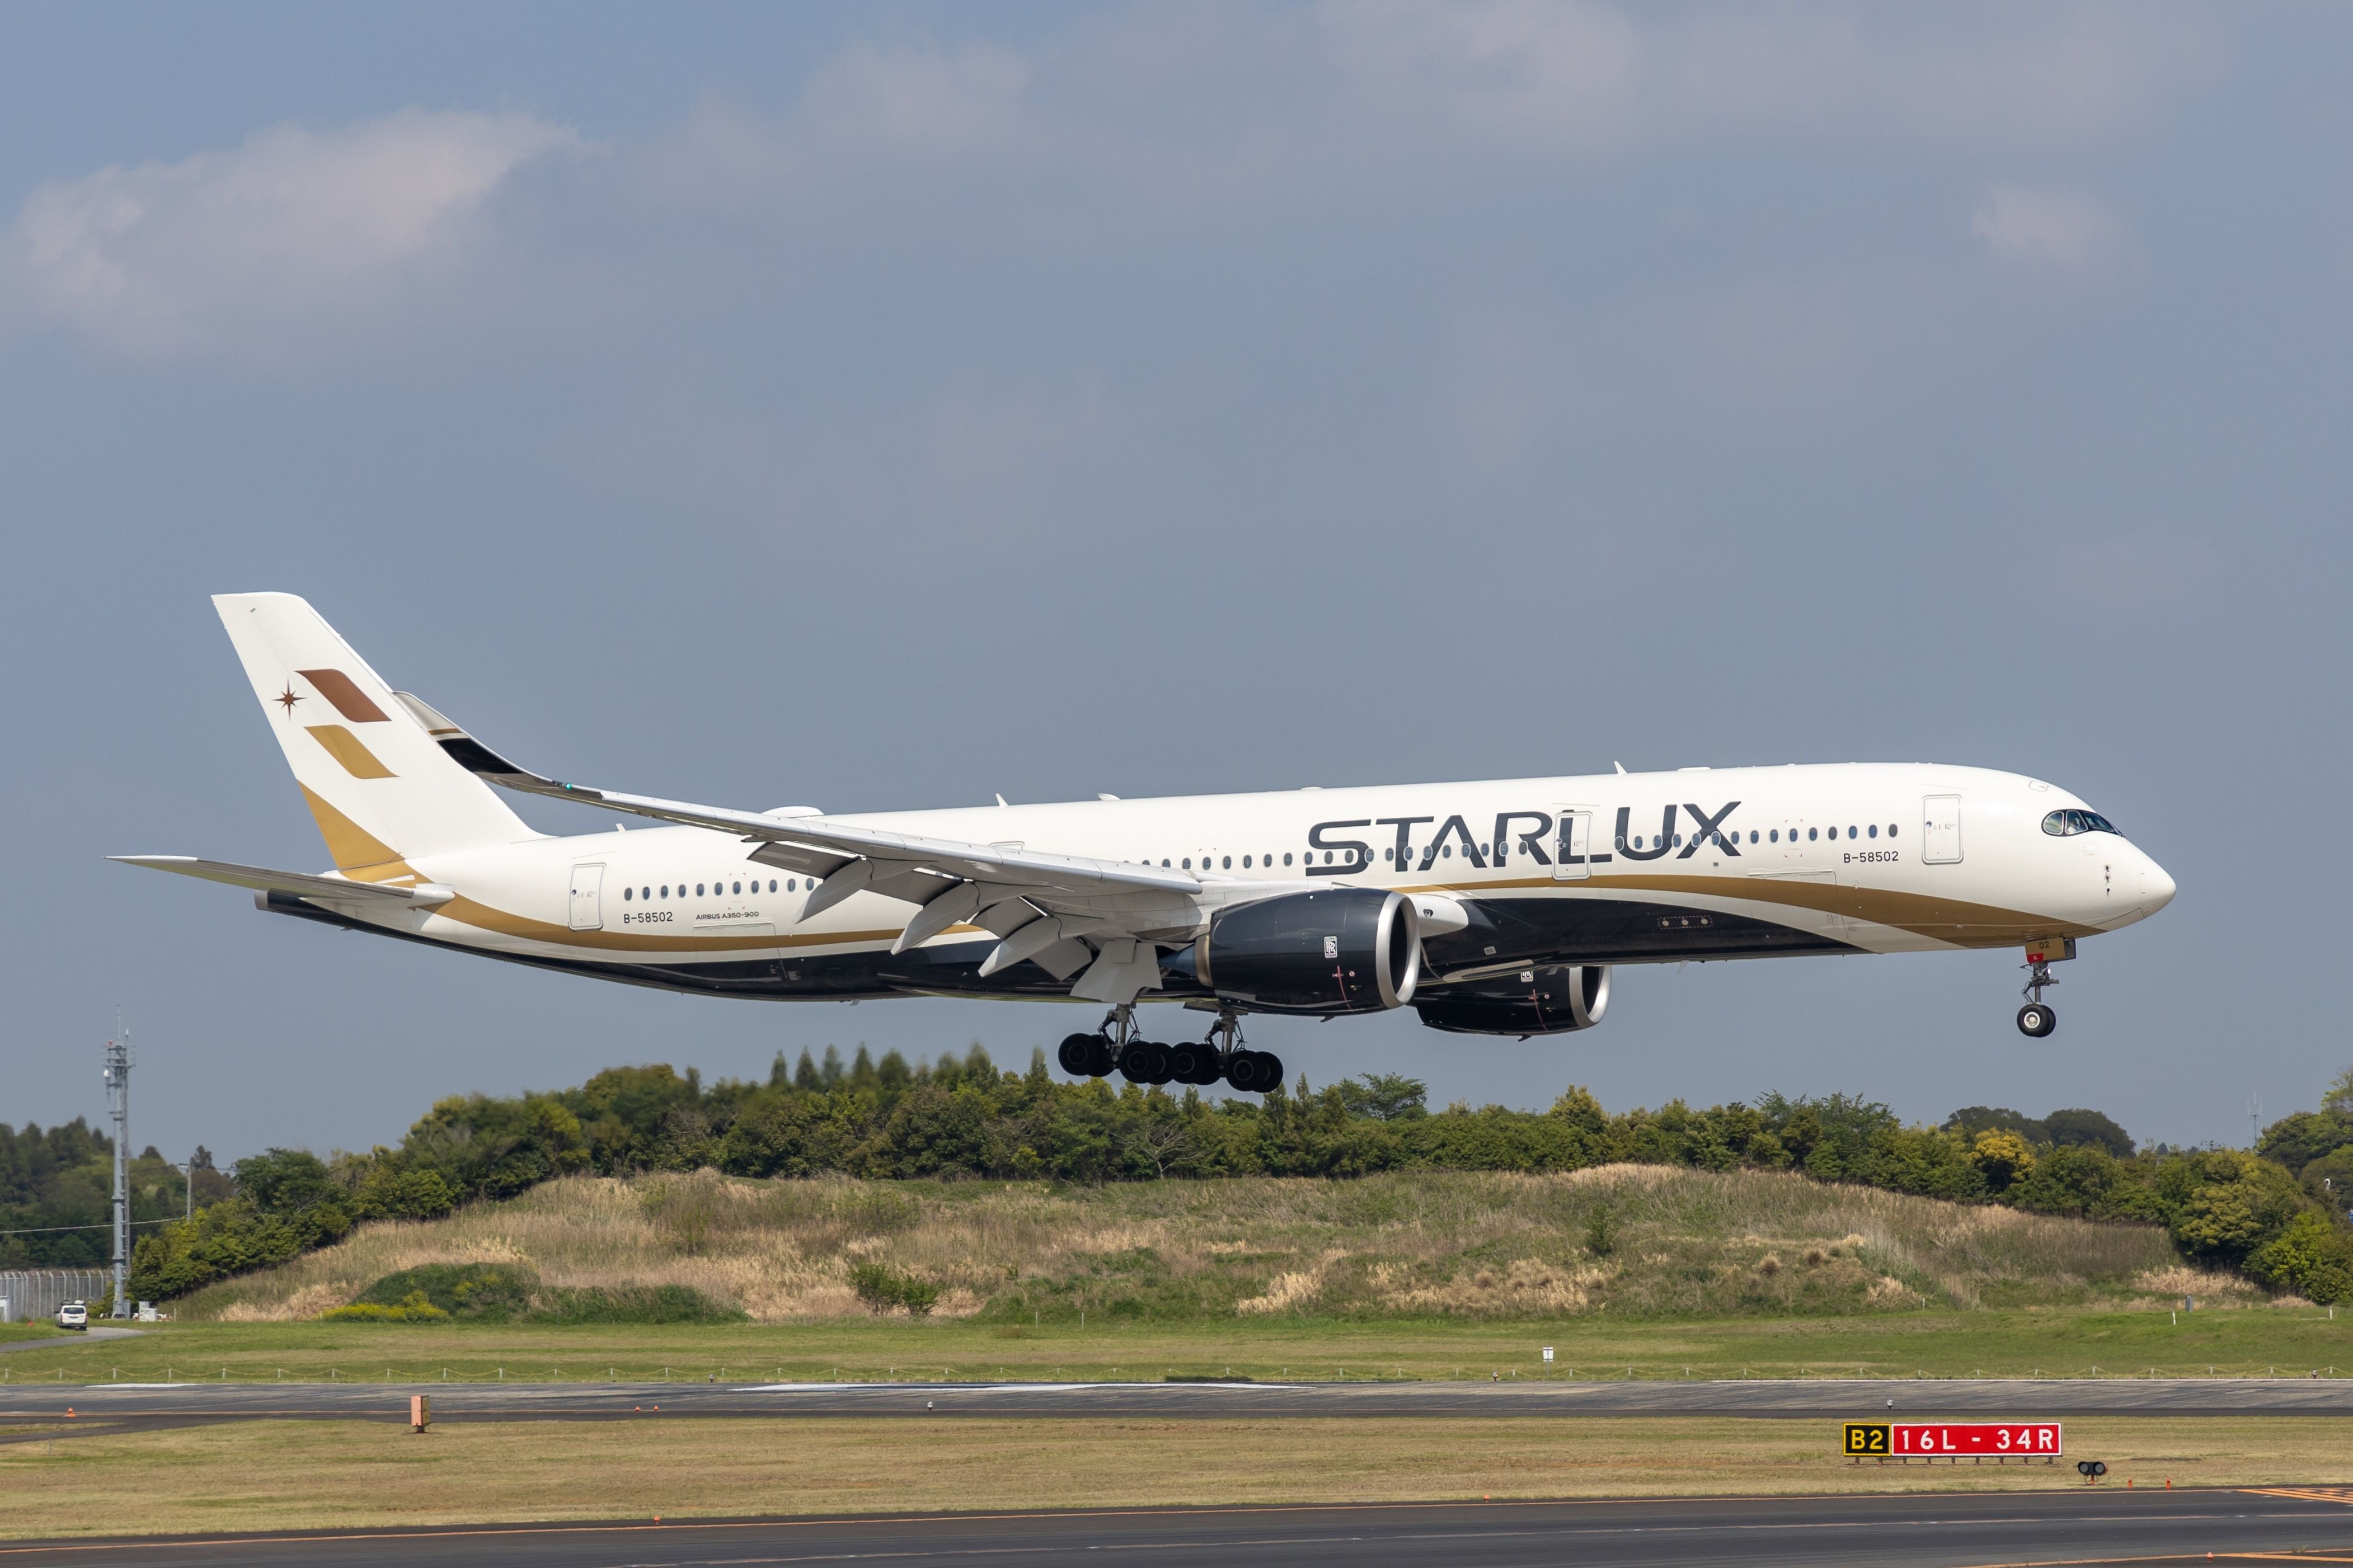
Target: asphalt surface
{"points": [[116, 1407], [82, 1337], [2106, 1524]]}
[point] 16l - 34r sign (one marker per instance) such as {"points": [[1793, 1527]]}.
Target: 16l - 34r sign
{"points": [[1953, 1439]]}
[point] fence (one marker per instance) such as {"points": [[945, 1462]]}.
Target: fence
{"points": [[38, 1292]]}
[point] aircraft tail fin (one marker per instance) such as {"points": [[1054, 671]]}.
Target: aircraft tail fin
{"points": [[378, 783]]}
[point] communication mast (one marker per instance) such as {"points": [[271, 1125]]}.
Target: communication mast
{"points": [[118, 1098]]}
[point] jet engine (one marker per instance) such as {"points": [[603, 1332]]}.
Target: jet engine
{"points": [[1338, 950], [1550, 1000]]}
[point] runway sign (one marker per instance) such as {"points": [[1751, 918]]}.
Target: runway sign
{"points": [[1950, 1439]]}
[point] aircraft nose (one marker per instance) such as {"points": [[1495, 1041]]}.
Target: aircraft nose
{"points": [[2157, 888]]}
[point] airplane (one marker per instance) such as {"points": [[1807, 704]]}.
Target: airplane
{"points": [[1497, 907]]}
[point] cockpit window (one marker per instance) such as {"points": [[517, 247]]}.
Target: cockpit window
{"points": [[2066, 823]]}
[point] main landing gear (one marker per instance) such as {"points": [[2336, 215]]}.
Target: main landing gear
{"points": [[1220, 1059]]}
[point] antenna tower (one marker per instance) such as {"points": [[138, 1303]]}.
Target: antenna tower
{"points": [[118, 1104]]}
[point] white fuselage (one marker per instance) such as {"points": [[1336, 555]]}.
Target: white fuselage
{"points": [[1878, 857]]}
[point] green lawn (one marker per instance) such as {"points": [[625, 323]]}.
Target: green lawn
{"points": [[2056, 1343]]}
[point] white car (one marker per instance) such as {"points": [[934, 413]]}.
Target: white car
{"points": [[73, 1315]]}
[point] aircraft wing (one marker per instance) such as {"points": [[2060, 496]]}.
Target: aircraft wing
{"points": [[301, 884], [1064, 912]]}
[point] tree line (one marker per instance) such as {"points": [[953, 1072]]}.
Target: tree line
{"points": [[2276, 1211], [57, 1186]]}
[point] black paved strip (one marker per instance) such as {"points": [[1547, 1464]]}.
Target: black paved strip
{"points": [[1910, 1532]]}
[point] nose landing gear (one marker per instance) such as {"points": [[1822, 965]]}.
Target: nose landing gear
{"points": [[2038, 1018]]}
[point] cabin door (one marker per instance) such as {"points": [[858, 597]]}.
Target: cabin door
{"points": [[587, 900], [1940, 830], [1573, 856]]}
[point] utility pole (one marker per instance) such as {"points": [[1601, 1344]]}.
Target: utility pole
{"points": [[118, 1096]]}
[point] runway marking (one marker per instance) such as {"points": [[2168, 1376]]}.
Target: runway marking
{"points": [[2310, 1494]]}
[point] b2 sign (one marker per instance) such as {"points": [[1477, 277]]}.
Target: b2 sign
{"points": [[1953, 1439]]}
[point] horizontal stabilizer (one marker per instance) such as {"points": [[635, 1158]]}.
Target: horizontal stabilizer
{"points": [[300, 884]]}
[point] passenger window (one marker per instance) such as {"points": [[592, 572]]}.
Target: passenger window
{"points": [[1875, 830], [665, 889], [1776, 836], [1813, 833], [1327, 856], [627, 893], [1752, 836], [1245, 862], [1891, 830], [1226, 863], [1286, 857], [698, 889], [739, 887]]}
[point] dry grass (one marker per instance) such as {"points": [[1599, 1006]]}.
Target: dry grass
{"points": [[289, 1475], [1454, 1244]]}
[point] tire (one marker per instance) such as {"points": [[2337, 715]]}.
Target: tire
{"points": [[1163, 1069], [1270, 1071], [1194, 1062], [1077, 1055], [1135, 1062], [1242, 1071], [1101, 1058], [2035, 1020]]}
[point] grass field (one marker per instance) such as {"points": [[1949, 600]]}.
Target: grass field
{"points": [[284, 1475], [2049, 1343], [1617, 1240]]}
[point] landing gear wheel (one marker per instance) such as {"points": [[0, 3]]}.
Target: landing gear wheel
{"points": [[2036, 1020], [1077, 1055], [1254, 1072], [1145, 1062], [1101, 1057], [1193, 1062]]}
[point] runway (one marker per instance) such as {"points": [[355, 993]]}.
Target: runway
{"points": [[119, 1406], [1914, 1531]]}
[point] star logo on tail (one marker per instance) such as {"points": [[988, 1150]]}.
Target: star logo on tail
{"points": [[287, 698]]}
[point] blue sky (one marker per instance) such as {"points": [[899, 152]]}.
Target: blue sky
{"points": [[884, 406]]}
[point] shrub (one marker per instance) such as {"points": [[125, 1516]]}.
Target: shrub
{"points": [[412, 1308], [882, 1289], [1601, 1230], [631, 1304], [479, 1292], [2311, 1258]]}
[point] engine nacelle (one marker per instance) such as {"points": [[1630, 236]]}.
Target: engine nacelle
{"points": [[1339, 950], [1550, 1000]]}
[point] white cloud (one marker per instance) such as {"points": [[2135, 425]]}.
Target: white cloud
{"points": [[1589, 79], [293, 233], [2062, 230]]}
